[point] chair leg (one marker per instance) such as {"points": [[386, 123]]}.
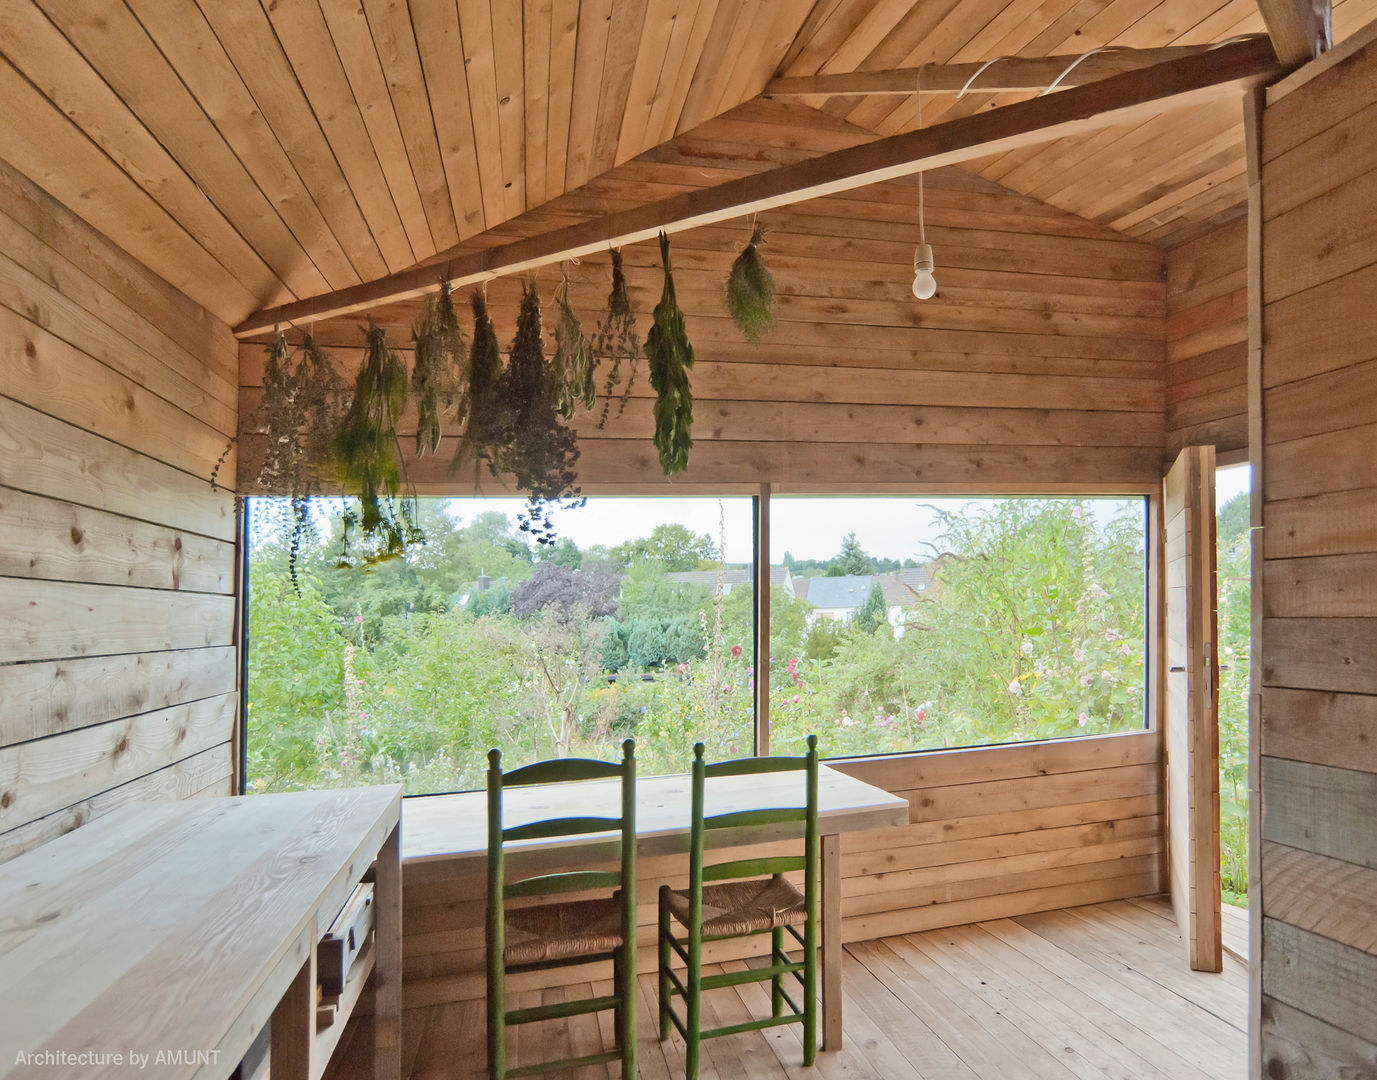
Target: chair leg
{"points": [[497, 1031], [776, 984], [665, 988], [626, 1008], [810, 995]]}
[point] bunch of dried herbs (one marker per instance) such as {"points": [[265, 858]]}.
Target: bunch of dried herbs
{"points": [[301, 406], [482, 401], [368, 454], [670, 354], [571, 367], [616, 340], [751, 290], [537, 448], [439, 371]]}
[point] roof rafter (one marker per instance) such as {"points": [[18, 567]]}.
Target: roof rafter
{"points": [[1300, 29], [1126, 97], [1006, 73]]}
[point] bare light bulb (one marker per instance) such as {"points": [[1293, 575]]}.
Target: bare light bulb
{"points": [[924, 284]]}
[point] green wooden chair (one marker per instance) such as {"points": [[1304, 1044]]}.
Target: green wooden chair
{"points": [[547, 935], [719, 903]]}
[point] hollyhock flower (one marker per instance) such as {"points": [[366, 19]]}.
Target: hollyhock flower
{"points": [[736, 650], [1083, 719]]}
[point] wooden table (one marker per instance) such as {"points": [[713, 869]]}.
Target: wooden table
{"points": [[454, 827], [178, 929]]}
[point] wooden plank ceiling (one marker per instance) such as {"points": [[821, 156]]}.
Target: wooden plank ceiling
{"points": [[257, 151]]}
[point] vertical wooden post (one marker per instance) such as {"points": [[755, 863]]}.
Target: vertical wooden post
{"points": [[831, 942], [294, 1025], [387, 969], [1254, 103], [762, 621]]}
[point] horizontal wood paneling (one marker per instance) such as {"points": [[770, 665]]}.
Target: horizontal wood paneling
{"points": [[118, 663], [1039, 361], [995, 832], [1207, 336], [1318, 391]]}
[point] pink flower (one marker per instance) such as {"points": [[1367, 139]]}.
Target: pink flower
{"points": [[921, 715], [1076, 511], [358, 618], [797, 699], [736, 650], [1084, 719]]}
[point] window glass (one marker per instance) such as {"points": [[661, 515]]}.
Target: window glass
{"points": [[637, 622], [920, 623]]}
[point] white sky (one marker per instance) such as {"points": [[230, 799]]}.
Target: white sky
{"points": [[808, 528]]}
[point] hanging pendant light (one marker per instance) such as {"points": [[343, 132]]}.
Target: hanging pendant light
{"points": [[924, 283]]}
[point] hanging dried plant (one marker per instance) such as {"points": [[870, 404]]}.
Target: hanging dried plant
{"points": [[297, 415], [485, 421], [572, 364], [368, 454], [616, 340], [751, 290], [438, 374], [537, 448], [670, 354]]}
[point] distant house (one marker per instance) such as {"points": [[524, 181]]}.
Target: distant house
{"points": [[838, 598], [731, 577]]}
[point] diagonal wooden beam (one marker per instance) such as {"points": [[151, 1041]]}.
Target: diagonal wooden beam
{"points": [[1006, 73], [1300, 29], [1123, 98]]}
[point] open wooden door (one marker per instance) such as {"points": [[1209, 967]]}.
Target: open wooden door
{"points": [[1192, 705]]}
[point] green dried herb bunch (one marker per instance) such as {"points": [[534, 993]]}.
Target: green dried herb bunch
{"points": [[368, 453], [751, 290], [483, 431], [538, 449], [440, 371], [302, 403], [616, 339], [670, 354], [573, 361]]}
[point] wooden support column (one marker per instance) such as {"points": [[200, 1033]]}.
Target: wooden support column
{"points": [[762, 621], [1254, 102]]}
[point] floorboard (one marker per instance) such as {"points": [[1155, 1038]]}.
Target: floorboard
{"points": [[1100, 992]]}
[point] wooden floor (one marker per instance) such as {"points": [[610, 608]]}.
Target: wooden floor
{"points": [[1091, 992]]}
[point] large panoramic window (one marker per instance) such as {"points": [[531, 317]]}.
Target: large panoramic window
{"points": [[919, 624], [637, 622], [896, 624]]}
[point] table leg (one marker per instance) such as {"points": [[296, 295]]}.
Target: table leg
{"points": [[294, 1026], [831, 943], [387, 969]]}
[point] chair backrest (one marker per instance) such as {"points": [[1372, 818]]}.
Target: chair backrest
{"points": [[806, 812], [561, 770]]}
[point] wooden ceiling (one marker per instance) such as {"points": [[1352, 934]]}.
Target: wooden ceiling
{"points": [[257, 151]]}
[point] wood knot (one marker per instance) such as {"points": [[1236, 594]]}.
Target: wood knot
{"points": [[77, 535], [122, 745], [30, 349], [6, 800]]}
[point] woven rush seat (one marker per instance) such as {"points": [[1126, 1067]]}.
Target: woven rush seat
{"points": [[742, 907], [563, 931]]}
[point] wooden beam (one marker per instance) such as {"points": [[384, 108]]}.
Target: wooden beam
{"points": [[1120, 99], [1006, 73], [1300, 29]]}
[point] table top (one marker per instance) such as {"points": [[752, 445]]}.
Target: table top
{"points": [[436, 827], [173, 928]]}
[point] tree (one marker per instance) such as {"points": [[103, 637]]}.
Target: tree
{"points": [[874, 613], [564, 592], [852, 560], [672, 546]]}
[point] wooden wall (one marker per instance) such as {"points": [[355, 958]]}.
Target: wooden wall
{"points": [[118, 667], [1207, 341], [1317, 383], [1038, 366], [994, 832]]}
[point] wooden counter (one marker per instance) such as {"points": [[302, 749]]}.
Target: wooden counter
{"points": [[177, 930]]}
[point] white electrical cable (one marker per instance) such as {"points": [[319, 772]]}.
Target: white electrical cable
{"points": [[979, 72]]}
